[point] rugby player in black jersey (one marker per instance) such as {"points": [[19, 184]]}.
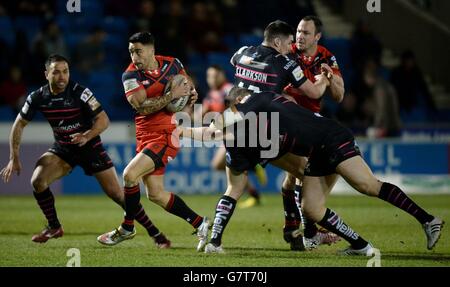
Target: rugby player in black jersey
{"points": [[331, 148], [271, 66], [77, 119]]}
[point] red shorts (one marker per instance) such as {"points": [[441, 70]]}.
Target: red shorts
{"points": [[161, 147]]}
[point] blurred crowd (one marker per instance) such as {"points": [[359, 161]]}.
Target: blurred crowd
{"points": [[200, 34]]}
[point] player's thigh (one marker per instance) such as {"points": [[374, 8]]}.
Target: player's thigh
{"points": [[139, 166], [236, 182], [49, 168], [110, 184], [291, 163], [357, 173], [218, 161]]}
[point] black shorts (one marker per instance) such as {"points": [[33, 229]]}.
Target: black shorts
{"points": [[337, 148], [242, 159], [92, 157]]}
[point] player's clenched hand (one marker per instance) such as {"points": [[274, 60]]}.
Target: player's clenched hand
{"points": [[13, 166], [324, 68], [79, 139], [180, 90], [322, 77]]}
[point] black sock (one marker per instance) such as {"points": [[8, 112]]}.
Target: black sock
{"points": [[178, 207], [253, 192], [46, 202], [291, 211], [395, 196], [224, 211], [309, 228], [145, 221], [298, 195], [332, 222], [132, 198]]}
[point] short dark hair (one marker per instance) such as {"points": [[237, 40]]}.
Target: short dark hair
{"points": [[234, 93], [145, 38], [317, 22], [55, 58], [277, 28]]}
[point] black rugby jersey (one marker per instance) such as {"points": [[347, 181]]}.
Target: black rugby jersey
{"points": [[69, 112], [300, 130], [262, 69]]}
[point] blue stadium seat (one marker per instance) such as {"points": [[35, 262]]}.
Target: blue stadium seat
{"points": [[30, 25], [340, 47], [73, 39], [7, 34], [250, 40], [113, 24], [6, 114], [232, 42], [223, 60]]}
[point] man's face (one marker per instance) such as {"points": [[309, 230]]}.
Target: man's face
{"points": [[306, 37], [284, 44], [141, 54], [214, 78], [57, 75]]}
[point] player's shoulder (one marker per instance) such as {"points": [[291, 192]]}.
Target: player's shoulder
{"points": [[324, 51], [169, 60], [287, 61], [80, 91], [131, 68]]}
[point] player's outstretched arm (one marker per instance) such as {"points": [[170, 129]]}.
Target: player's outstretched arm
{"points": [[101, 123], [15, 139], [336, 83]]}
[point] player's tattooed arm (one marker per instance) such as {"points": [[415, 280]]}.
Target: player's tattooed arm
{"points": [[15, 139], [151, 105]]}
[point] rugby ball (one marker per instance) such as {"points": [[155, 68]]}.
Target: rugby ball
{"points": [[176, 105]]}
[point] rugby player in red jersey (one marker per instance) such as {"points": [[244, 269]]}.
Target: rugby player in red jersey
{"points": [[144, 82], [313, 59]]}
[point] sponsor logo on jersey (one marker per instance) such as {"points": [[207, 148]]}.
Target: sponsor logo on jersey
{"points": [[245, 60], [93, 103], [289, 64], [297, 73], [130, 85], [67, 128], [25, 108], [86, 95]]}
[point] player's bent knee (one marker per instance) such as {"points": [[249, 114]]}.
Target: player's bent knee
{"points": [[130, 177], [289, 181], [39, 184]]}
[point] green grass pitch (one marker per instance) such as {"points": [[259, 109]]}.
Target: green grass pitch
{"points": [[253, 237]]}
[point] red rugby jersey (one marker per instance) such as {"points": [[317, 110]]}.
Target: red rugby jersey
{"points": [[311, 67], [153, 82]]}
